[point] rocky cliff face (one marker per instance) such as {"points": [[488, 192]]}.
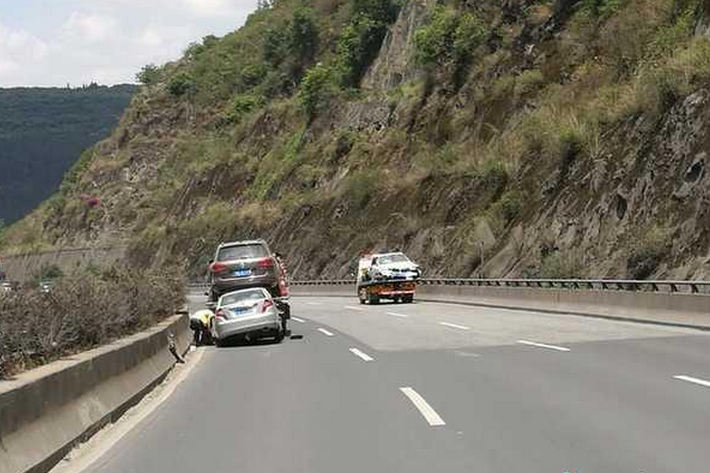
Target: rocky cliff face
{"points": [[569, 141]]}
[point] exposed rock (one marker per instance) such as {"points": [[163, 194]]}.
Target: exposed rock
{"points": [[396, 61]]}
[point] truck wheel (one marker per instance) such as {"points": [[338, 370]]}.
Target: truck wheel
{"points": [[374, 299], [408, 299]]}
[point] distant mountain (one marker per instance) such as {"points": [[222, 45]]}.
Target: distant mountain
{"points": [[43, 131]]}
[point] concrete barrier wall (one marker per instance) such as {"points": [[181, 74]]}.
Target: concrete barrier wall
{"points": [[668, 309], [47, 411]]}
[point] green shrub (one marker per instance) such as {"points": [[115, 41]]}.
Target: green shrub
{"points": [[362, 37], [149, 75], [181, 84], [510, 206], [252, 75], [601, 8], [241, 105], [304, 34], [317, 88], [449, 37], [469, 34], [275, 47]]}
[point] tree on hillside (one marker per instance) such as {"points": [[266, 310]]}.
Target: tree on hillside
{"points": [[304, 34], [149, 74], [317, 88]]}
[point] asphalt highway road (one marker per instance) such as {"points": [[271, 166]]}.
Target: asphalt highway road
{"points": [[435, 388]]}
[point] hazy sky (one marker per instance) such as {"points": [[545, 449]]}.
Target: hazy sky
{"points": [[55, 42]]}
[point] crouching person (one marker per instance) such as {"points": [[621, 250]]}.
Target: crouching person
{"points": [[200, 323]]}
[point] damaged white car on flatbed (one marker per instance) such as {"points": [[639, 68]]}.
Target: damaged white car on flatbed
{"points": [[390, 276]]}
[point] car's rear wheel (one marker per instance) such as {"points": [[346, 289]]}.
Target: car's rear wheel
{"points": [[280, 335], [408, 299]]}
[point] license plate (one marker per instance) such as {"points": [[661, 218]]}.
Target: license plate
{"points": [[239, 311], [240, 273]]}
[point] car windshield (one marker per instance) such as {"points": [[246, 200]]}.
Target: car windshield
{"points": [[243, 297], [389, 259], [232, 253]]}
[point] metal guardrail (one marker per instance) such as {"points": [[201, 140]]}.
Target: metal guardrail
{"points": [[672, 287]]}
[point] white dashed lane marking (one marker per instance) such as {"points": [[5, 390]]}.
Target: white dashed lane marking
{"points": [[325, 332], [395, 314], [296, 319], [424, 408], [360, 354], [542, 345], [460, 327], [352, 307], [690, 379]]}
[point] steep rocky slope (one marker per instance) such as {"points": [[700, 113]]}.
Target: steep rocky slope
{"points": [[563, 138]]}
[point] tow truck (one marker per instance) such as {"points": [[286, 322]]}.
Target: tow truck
{"points": [[389, 276]]}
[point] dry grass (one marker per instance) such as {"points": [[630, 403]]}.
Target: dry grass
{"points": [[83, 311]]}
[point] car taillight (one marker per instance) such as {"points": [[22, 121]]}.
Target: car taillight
{"points": [[217, 267], [220, 314], [265, 263], [266, 305]]}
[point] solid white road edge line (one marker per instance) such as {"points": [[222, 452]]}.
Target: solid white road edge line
{"points": [[460, 327], [542, 345], [325, 332], [404, 316], [690, 379], [94, 450], [424, 408], [360, 354], [296, 319], [351, 307]]}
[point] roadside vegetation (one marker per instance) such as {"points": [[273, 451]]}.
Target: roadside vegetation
{"points": [[273, 122], [82, 311]]}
